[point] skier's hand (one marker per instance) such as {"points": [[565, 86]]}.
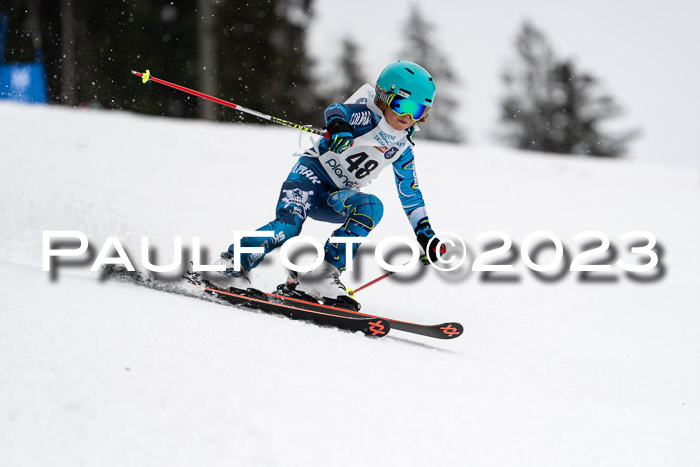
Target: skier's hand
{"points": [[429, 242], [340, 135]]}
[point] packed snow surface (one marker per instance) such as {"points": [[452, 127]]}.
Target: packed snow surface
{"points": [[555, 371]]}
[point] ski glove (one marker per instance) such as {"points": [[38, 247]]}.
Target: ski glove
{"points": [[340, 135], [429, 242]]}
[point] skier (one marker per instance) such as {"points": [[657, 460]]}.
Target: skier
{"points": [[366, 134]]}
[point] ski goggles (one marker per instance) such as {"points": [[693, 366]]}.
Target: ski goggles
{"points": [[403, 106]]}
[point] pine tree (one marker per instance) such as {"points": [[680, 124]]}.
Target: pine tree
{"points": [[264, 64], [68, 61], [419, 48], [550, 106], [350, 70], [255, 50], [114, 37], [206, 57]]}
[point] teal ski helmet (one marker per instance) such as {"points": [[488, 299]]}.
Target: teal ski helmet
{"points": [[408, 80]]}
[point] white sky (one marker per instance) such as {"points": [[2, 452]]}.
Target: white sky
{"points": [[644, 52]]}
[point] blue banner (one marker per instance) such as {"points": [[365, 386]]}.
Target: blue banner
{"points": [[24, 82]]}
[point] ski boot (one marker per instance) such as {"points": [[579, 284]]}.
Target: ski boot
{"points": [[320, 286], [229, 278]]}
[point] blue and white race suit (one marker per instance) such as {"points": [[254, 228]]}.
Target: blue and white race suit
{"points": [[326, 186]]}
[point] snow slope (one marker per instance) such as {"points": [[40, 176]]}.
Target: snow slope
{"points": [[548, 373]]}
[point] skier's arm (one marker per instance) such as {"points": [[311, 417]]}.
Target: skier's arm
{"points": [[413, 203], [407, 187]]}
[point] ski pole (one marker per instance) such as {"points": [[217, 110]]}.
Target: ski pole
{"points": [[352, 292], [146, 77]]}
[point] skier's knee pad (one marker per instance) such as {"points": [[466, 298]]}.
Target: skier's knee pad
{"points": [[365, 211]]}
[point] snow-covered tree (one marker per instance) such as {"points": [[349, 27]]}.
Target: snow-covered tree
{"points": [[419, 47], [550, 106], [350, 69]]}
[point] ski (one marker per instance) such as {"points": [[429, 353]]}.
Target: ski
{"points": [[254, 299], [450, 330], [251, 300], [336, 314]]}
